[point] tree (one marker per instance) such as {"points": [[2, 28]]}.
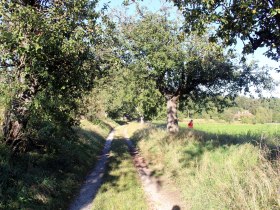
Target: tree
{"points": [[274, 105], [255, 22], [47, 47], [185, 67], [263, 115], [124, 90]]}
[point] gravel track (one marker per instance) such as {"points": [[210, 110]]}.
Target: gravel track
{"points": [[93, 180]]}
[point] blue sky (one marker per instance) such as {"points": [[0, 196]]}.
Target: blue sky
{"points": [[154, 5]]}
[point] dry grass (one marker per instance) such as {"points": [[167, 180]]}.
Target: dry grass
{"points": [[213, 173]]}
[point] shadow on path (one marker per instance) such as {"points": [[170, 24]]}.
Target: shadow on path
{"points": [[161, 195], [94, 180]]}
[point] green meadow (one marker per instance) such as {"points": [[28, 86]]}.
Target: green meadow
{"points": [[240, 129], [217, 166], [234, 133]]}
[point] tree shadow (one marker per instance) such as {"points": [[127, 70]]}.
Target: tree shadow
{"points": [[50, 177], [205, 141], [114, 172], [121, 122]]}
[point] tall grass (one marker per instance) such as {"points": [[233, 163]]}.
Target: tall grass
{"points": [[49, 179], [212, 172], [265, 136], [265, 129], [121, 189]]}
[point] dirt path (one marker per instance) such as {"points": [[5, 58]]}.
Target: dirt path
{"points": [[94, 180], [162, 195]]}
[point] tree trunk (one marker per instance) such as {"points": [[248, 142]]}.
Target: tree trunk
{"points": [[172, 120], [142, 120], [16, 118]]}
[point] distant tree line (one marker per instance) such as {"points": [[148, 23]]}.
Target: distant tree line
{"points": [[244, 109]]}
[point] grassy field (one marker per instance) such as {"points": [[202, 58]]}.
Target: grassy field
{"points": [[50, 179], [264, 129], [217, 166], [225, 133], [121, 189]]}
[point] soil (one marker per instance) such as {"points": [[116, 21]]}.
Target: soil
{"points": [[161, 193], [94, 180]]}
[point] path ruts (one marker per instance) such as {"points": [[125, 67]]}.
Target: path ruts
{"points": [[94, 180], [161, 196]]}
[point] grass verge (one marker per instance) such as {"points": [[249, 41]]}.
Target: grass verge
{"points": [[49, 179], [213, 173], [121, 188]]}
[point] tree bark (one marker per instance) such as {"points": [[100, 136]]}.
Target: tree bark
{"points": [[142, 120], [17, 116], [172, 120]]}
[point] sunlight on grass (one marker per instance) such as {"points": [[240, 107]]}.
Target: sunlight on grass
{"points": [[88, 126], [213, 172], [265, 129], [121, 188], [132, 127]]}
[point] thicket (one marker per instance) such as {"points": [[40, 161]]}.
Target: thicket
{"points": [[48, 63]]}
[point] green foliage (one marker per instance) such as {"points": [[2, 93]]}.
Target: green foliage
{"points": [[124, 89], [190, 66], [47, 47], [150, 58], [50, 177], [5, 91], [263, 115], [50, 43], [256, 23]]}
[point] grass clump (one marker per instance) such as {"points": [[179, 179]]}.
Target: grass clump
{"points": [[49, 177], [121, 189], [212, 172]]}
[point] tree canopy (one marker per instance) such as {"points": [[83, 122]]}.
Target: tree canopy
{"points": [[255, 22], [54, 52], [48, 48], [185, 67]]}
